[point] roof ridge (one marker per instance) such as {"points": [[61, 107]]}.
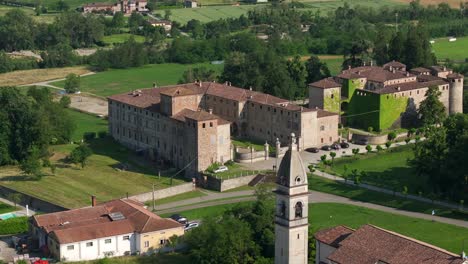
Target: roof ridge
{"points": [[414, 240]]}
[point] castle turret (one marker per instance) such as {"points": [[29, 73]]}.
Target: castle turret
{"points": [[455, 93]]}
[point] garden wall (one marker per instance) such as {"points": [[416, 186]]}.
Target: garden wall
{"points": [[222, 185], [163, 193], [34, 203]]}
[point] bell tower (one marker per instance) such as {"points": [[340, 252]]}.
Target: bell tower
{"points": [[291, 215]]}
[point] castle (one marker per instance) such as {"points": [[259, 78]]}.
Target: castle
{"points": [[385, 97], [191, 124], [124, 6]]}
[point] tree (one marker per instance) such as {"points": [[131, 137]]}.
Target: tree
{"points": [[332, 155], [62, 6], [431, 110], [65, 101], [80, 155], [72, 83], [32, 164], [15, 198], [405, 191], [118, 20], [18, 31], [369, 148], [297, 72], [397, 47], [316, 70], [173, 242], [167, 14]]}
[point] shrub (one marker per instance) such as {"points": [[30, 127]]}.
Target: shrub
{"points": [[213, 167], [370, 129], [407, 140], [15, 225], [379, 148], [89, 136], [368, 148], [65, 101], [311, 168], [391, 136], [229, 163], [388, 144], [102, 134]]}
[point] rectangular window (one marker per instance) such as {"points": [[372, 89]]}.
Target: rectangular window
{"points": [[89, 244], [72, 247], [108, 241], [162, 241], [126, 238], [146, 244]]}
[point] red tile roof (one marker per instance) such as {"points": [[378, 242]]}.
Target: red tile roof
{"points": [[94, 222], [198, 116], [454, 76], [370, 244], [394, 64], [374, 73], [420, 69], [325, 83], [408, 86], [334, 235], [323, 113]]}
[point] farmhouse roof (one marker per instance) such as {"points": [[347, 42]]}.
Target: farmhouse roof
{"points": [[325, 83], [371, 244], [454, 76], [99, 5], [374, 73], [437, 68], [394, 63], [334, 235], [98, 221], [198, 116], [395, 88], [323, 113], [420, 70]]}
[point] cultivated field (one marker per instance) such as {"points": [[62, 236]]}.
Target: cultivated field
{"points": [[452, 3], [323, 215], [456, 51], [120, 81], [71, 186], [121, 38], [38, 75], [207, 13]]}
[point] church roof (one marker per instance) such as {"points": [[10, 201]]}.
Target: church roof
{"points": [[291, 165]]}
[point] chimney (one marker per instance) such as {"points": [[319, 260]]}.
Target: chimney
{"points": [[210, 110], [200, 84], [93, 200], [250, 88], [364, 63], [371, 63], [393, 70], [349, 67], [444, 68], [154, 85]]}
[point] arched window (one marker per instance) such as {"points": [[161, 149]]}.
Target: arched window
{"points": [[298, 210]]}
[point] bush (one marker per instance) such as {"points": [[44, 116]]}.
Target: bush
{"points": [[370, 129], [89, 136], [229, 163], [213, 167], [311, 168], [391, 136], [102, 134], [65, 101], [15, 225]]}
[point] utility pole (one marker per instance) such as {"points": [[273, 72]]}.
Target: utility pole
{"points": [[154, 202]]}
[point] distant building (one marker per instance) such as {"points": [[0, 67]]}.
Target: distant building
{"points": [[166, 24], [125, 6], [387, 96], [114, 228], [191, 124], [374, 245], [191, 4]]}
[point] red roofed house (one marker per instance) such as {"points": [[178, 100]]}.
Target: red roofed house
{"points": [[374, 245], [115, 228], [191, 124]]}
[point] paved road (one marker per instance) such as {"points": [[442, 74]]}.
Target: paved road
{"points": [[47, 83], [21, 211], [314, 197]]}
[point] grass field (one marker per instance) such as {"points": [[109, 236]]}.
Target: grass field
{"points": [[121, 38], [176, 198], [5, 208], [387, 169], [334, 64], [38, 75], [452, 3], [323, 215], [120, 81], [86, 123], [72, 186], [456, 50], [360, 194]]}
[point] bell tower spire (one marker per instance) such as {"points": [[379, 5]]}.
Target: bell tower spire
{"points": [[291, 216]]}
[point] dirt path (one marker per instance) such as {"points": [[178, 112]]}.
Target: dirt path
{"points": [[213, 199]]}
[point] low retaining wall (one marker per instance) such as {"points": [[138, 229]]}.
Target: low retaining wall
{"points": [[163, 193], [222, 185], [248, 157], [34, 203], [375, 139]]}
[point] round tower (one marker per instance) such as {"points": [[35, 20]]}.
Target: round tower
{"points": [[455, 93]]}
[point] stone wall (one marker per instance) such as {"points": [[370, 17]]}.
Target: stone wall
{"points": [[163, 193], [34, 203], [222, 185]]}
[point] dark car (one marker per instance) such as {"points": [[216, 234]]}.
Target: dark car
{"points": [[326, 147], [313, 150], [335, 146], [344, 145], [179, 218], [363, 141]]}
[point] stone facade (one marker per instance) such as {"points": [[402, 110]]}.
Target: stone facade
{"points": [[191, 124], [125, 6]]}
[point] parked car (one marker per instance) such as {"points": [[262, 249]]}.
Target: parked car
{"points": [[221, 169], [326, 147], [181, 219], [335, 146], [344, 145], [363, 141], [313, 150], [191, 225]]}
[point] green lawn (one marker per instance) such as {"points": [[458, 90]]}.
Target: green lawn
{"points": [[71, 186], [5, 208], [13, 226], [388, 169], [86, 123], [360, 194], [334, 65], [456, 50], [176, 198], [323, 215], [121, 38], [125, 80]]}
